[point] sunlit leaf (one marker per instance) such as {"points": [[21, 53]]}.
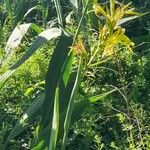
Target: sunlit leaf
{"points": [[112, 7], [55, 122], [74, 4], [96, 98], [100, 11], [124, 20], [43, 37], [15, 38]]}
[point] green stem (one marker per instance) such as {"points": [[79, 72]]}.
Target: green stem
{"points": [[80, 22]]}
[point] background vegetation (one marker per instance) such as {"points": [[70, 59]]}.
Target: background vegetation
{"points": [[74, 75]]}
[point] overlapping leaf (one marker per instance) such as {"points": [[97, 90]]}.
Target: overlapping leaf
{"points": [[16, 37], [43, 37]]}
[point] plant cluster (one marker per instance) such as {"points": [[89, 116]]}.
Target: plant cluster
{"points": [[71, 78]]}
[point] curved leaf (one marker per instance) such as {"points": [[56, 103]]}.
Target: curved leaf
{"points": [[53, 77], [96, 98], [15, 38], [43, 37], [71, 104], [74, 4], [126, 19]]}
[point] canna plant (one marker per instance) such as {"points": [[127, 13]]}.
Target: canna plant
{"points": [[57, 107]]}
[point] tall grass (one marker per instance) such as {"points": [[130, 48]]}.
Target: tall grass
{"points": [[62, 84]]}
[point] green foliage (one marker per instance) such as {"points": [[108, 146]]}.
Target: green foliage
{"points": [[72, 75]]}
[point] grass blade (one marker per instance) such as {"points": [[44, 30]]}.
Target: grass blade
{"points": [[43, 37], [55, 122], [96, 98], [126, 19], [112, 7], [59, 13], [54, 76], [15, 38], [71, 104]]}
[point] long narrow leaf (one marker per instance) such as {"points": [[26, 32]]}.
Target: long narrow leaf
{"points": [[67, 69], [78, 109], [58, 10], [126, 19], [71, 104], [112, 7], [54, 75], [55, 122], [96, 98], [65, 92], [42, 38], [15, 39]]}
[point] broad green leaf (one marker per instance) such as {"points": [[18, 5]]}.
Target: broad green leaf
{"points": [[78, 109], [57, 66], [43, 37], [54, 75], [65, 97], [67, 69]]}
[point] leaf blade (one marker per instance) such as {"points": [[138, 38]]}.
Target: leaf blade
{"points": [[43, 37]]}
